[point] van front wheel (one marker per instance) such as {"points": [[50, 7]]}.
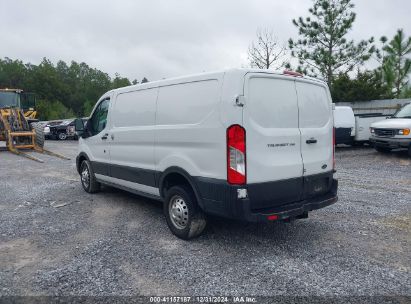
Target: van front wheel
{"points": [[87, 178], [184, 218]]}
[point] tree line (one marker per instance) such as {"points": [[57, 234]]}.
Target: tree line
{"points": [[323, 50], [63, 90]]}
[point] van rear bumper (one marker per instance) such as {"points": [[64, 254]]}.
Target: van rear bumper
{"points": [[296, 209], [226, 203]]}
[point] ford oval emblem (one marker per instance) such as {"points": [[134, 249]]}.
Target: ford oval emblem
{"points": [[324, 166]]}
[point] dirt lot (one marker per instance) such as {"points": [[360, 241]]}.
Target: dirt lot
{"points": [[55, 239]]}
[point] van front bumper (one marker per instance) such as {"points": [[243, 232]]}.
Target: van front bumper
{"points": [[223, 201], [392, 143]]}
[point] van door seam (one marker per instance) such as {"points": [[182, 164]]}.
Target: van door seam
{"points": [[299, 130]]}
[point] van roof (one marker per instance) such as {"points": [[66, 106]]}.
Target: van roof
{"points": [[241, 72]]}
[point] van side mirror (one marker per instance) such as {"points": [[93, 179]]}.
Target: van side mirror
{"points": [[79, 127]]}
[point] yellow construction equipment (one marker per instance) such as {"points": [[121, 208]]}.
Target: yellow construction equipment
{"points": [[19, 99], [19, 129]]}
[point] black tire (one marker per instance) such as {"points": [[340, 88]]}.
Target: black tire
{"points": [[39, 129], [383, 150], [188, 221], [88, 179], [409, 151], [62, 136]]}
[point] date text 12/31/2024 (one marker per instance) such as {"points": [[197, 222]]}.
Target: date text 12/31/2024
{"points": [[203, 299]]}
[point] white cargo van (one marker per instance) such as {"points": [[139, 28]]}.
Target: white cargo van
{"points": [[245, 144], [344, 123]]}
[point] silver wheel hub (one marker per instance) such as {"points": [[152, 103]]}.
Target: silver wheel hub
{"points": [[178, 210], [85, 177]]}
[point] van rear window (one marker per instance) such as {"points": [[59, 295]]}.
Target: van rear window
{"points": [[272, 102], [314, 105]]}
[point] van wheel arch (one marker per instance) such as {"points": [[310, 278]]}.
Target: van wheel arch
{"points": [[81, 157], [174, 176]]}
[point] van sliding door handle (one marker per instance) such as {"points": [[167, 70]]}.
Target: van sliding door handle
{"points": [[104, 137], [311, 141]]}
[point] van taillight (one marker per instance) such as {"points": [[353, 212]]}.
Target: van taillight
{"points": [[236, 155], [334, 149]]}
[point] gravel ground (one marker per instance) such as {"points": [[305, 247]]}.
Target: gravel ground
{"points": [[55, 239]]}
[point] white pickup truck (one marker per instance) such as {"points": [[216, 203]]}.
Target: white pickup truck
{"points": [[393, 133]]}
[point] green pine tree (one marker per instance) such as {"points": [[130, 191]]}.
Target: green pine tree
{"points": [[323, 49], [396, 66]]}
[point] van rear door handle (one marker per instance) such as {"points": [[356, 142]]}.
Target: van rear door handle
{"points": [[311, 141], [104, 137]]}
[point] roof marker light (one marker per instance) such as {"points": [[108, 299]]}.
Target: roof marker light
{"points": [[292, 73]]}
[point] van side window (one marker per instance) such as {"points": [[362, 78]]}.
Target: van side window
{"points": [[98, 121]]}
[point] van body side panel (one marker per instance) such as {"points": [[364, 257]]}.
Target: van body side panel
{"points": [[316, 124], [189, 133], [132, 137]]}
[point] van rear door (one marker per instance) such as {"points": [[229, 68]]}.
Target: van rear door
{"points": [[316, 126], [273, 140]]}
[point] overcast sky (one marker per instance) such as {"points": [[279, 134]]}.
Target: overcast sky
{"points": [[165, 38]]}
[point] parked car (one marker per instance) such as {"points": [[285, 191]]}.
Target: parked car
{"points": [[246, 144], [393, 133], [60, 129]]}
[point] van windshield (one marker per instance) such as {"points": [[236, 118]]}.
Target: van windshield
{"points": [[404, 112]]}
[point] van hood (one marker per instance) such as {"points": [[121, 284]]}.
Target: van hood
{"points": [[393, 123]]}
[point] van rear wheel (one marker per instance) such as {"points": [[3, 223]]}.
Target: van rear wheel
{"points": [[184, 217]]}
